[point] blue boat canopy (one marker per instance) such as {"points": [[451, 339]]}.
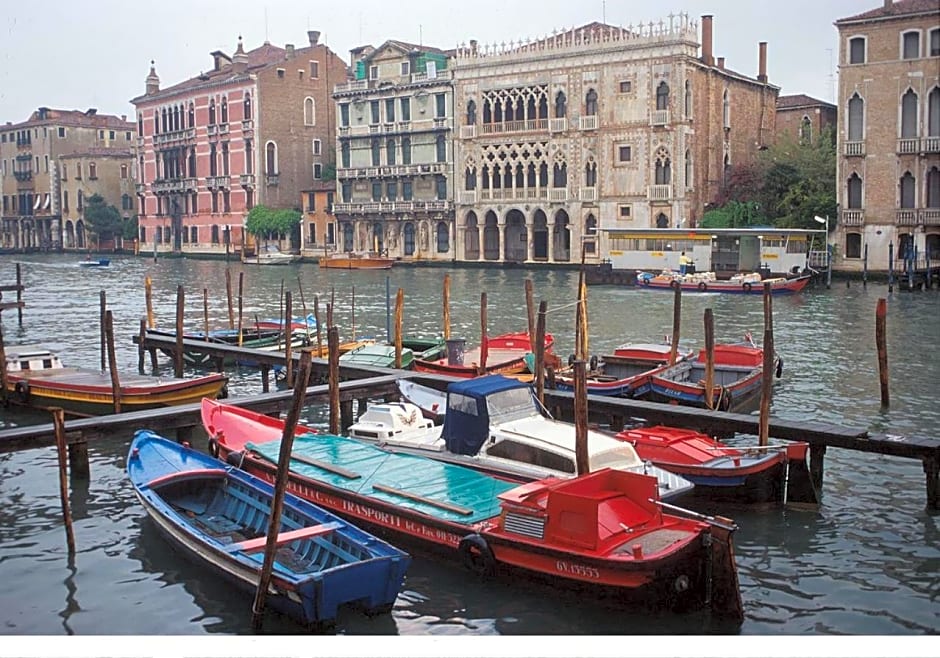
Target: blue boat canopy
{"points": [[473, 403]]}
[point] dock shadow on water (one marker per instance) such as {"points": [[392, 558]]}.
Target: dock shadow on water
{"points": [[867, 562]]}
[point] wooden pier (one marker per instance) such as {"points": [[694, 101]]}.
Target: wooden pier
{"points": [[18, 288], [362, 384]]}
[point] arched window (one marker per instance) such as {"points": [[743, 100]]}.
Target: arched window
{"points": [[853, 245], [688, 169], [192, 115], [164, 121], [470, 182], [908, 190], [224, 110], [590, 103], [140, 125], [246, 106], [176, 118], [590, 174], [806, 130], [156, 121], [933, 188], [270, 159], [441, 148], [909, 115], [471, 113], [123, 171], [662, 96], [212, 112], [560, 175], [443, 238], [662, 221], [726, 110], [344, 150], [688, 99], [390, 152], [933, 110], [309, 115], [92, 170], [561, 105], [408, 238], [376, 153], [590, 225], [663, 168], [406, 150], [856, 118], [854, 188]]}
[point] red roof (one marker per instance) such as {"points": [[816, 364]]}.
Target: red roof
{"points": [[800, 100], [895, 10], [80, 118], [259, 58]]}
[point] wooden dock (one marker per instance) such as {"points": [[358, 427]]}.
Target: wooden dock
{"points": [[363, 383], [18, 288]]}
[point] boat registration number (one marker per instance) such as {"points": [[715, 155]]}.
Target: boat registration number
{"points": [[577, 570]]}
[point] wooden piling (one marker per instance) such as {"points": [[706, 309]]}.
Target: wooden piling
{"points": [[316, 317], [280, 485], [58, 421], [881, 343], [399, 313], [148, 297], [890, 267], [530, 311], [112, 361], [303, 305], [241, 302], [539, 351], [178, 350], [583, 310], [332, 340], [446, 303], [228, 298], [767, 375], [709, 358], [205, 313], [102, 308], [3, 370], [352, 312], [484, 346], [265, 378], [676, 324], [580, 418], [283, 333], [19, 295], [288, 322]]}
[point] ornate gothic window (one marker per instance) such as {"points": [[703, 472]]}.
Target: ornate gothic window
{"points": [[662, 96]]}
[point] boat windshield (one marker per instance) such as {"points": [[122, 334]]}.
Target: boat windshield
{"points": [[511, 404]]}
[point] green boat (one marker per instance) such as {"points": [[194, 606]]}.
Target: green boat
{"points": [[383, 356]]}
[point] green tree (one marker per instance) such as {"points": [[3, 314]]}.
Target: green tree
{"points": [[131, 228], [102, 219], [266, 223]]}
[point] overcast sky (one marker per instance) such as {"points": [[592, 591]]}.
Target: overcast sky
{"points": [[96, 53]]}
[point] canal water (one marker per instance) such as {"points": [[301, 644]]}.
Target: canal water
{"points": [[867, 562]]}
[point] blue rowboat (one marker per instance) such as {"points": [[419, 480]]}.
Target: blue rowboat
{"points": [[218, 515]]}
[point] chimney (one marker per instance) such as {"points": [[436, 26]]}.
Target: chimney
{"points": [[762, 62], [707, 57], [239, 59], [123, 117], [290, 49], [314, 36], [889, 4], [721, 62], [153, 81]]}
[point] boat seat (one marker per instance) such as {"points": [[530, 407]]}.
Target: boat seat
{"points": [[259, 543]]}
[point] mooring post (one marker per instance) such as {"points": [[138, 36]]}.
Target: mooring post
{"points": [[709, 358], [58, 420], [865, 268], [582, 462], [332, 342], [102, 308], [205, 313], [316, 318], [19, 295], [178, 351], [288, 337], [78, 458], [3, 370], [890, 267], [817, 454], [141, 337], [265, 376], [539, 349], [676, 323], [228, 298], [388, 310], [241, 302], [484, 348], [881, 344], [932, 473], [148, 297], [112, 362], [399, 319]]}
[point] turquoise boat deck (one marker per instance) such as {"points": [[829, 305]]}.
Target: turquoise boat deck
{"points": [[442, 491]]}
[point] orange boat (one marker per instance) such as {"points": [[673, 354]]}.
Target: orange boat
{"points": [[357, 261], [500, 355]]}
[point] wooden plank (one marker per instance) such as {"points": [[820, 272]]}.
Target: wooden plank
{"points": [[258, 543], [423, 499], [332, 468]]}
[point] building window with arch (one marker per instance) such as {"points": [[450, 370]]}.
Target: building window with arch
{"points": [[857, 50], [933, 188], [470, 179], [389, 110], [854, 192], [224, 110], [560, 175], [443, 238], [908, 191], [933, 111], [590, 233], [726, 110], [440, 183], [662, 96], [909, 114], [806, 130], [471, 113], [408, 238], [344, 154], [246, 107], [561, 105], [856, 120], [590, 103], [390, 152], [156, 121], [376, 153], [688, 99], [92, 171], [853, 245], [910, 45], [270, 159], [212, 112], [192, 116], [441, 148], [663, 174], [406, 150], [249, 159], [590, 174], [124, 171], [309, 114], [688, 169]]}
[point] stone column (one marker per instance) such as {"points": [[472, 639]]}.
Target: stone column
{"points": [[551, 238], [530, 237], [501, 227]]}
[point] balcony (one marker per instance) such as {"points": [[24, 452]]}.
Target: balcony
{"points": [[524, 125], [23, 176], [854, 149], [218, 182], [404, 126], [906, 217], [659, 117], [588, 123], [248, 124], [344, 130], [659, 192], [140, 188], [355, 85], [557, 194], [588, 194], [375, 129], [212, 130], [468, 132], [558, 125], [908, 146], [176, 137], [930, 217], [441, 123], [169, 185], [853, 217], [930, 145], [247, 180], [140, 142], [272, 179], [223, 129], [467, 197]]}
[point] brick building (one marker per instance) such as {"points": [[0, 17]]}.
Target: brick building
{"points": [[888, 166], [395, 173], [598, 127], [255, 129], [318, 233], [804, 118], [30, 177], [102, 171]]}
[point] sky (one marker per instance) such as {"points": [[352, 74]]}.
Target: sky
{"points": [[77, 55]]}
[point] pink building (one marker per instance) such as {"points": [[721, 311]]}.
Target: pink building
{"points": [[250, 131]]}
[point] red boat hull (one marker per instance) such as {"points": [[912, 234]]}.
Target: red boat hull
{"points": [[777, 286], [505, 355]]}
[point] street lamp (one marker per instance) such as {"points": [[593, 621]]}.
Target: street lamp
{"points": [[828, 257]]}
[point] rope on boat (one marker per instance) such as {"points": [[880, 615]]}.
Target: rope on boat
{"points": [[718, 521]]}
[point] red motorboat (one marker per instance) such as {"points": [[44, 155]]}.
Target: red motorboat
{"points": [[625, 373], [746, 284], [501, 355], [606, 531], [719, 471]]}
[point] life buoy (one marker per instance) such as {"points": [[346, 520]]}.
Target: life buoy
{"points": [[702, 287], [673, 284], [747, 287], [22, 391], [593, 362], [213, 447], [476, 555]]}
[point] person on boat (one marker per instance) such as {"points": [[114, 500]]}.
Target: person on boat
{"points": [[684, 263]]}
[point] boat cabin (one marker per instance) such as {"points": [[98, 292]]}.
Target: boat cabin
{"points": [[396, 423], [25, 358]]}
